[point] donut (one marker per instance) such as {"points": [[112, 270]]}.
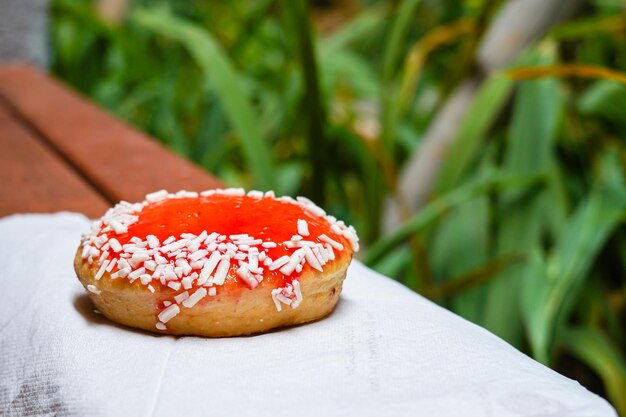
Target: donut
{"points": [[218, 263]]}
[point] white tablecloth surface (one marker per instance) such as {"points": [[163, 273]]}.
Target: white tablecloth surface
{"points": [[385, 351]]}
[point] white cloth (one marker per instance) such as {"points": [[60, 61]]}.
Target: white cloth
{"points": [[385, 351]]}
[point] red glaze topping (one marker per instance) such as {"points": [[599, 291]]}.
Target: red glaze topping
{"points": [[268, 219]]}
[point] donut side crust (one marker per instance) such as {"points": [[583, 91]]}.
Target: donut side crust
{"points": [[238, 312]]}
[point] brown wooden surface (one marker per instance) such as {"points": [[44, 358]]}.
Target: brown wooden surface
{"points": [[113, 159], [120, 161], [34, 179]]}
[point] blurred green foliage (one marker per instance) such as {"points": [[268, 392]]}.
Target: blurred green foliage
{"points": [[524, 233]]}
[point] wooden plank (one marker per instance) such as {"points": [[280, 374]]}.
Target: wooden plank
{"points": [[35, 179], [121, 162]]}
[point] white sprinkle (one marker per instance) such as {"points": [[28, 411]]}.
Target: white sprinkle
{"points": [[232, 191], [118, 227], [197, 264], [201, 237], [303, 227], [296, 289], [161, 326], [255, 194], [330, 252], [222, 271], [195, 297], [332, 242], [269, 245], [279, 262], [93, 289], [299, 268], [105, 255], [247, 277], [136, 273], [181, 297], [319, 256], [296, 238], [186, 194], [294, 260], [169, 313], [291, 244], [211, 238], [122, 273], [140, 257], [123, 264], [156, 196], [151, 288], [153, 241], [179, 244], [111, 265], [207, 193], [160, 260], [145, 279], [115, 245], [280, 297], [182, 262], [353, 238], [178, 271], [150, 265], [158, 272], [175, 285], [276, 302], [93, 252], [169, 273], [130, 247], [270, 194], [212, 291], [86, 250], [101, 270], [186, 281], [169, 240], [253, 259], [208, 268], [239, 236], [188, 236]]}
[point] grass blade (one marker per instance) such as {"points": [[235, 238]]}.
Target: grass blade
{"points": [[224, 80], [443, 204], [593, 348], [530, 148], [486, 107], [316, 114]]}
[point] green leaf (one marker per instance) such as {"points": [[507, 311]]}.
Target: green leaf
{"points": [[594, 349], [606, 99], [587, 231], [363, 26], [224, 80], [584, 235], [529, 151], [393, 50], [441, 205], [399, 29], [472, 132]]}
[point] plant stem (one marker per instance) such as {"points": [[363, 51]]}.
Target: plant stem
{"points": [[316, 135]]}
